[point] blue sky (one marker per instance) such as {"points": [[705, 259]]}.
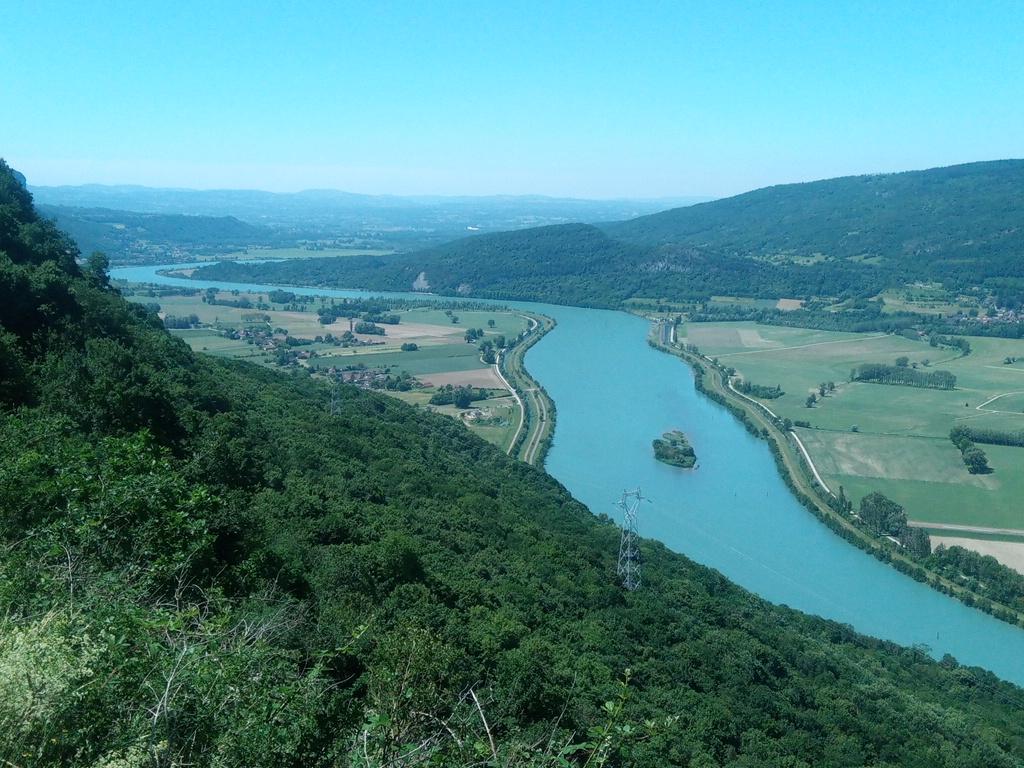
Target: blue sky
{"points": [[590, 99]]}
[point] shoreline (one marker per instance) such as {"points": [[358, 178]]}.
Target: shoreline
{"points": [[798, 475], [537, 427]]}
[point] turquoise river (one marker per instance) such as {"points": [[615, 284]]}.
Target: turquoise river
{"points": [[614, 394]]}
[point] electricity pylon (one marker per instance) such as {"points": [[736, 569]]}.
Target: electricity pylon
{"points": [[629, 544]]}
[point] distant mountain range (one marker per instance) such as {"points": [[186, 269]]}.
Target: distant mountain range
{"points": [[331, 217], [962, 225], [258, 206]]}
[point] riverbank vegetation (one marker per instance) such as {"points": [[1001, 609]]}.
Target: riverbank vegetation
{"points": [[674, 449], [539, 414], [759, 390]]}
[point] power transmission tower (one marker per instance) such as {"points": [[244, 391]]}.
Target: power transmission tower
{"points": [[629, 544]]}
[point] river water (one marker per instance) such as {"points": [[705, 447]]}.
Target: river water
{"points": [[614, 394]]}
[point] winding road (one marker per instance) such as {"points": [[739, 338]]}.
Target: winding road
{"points": [[519, 401]]}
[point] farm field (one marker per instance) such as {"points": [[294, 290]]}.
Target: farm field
{"points": [[302, 253], [932, 299], [439, 358], [442, 357], [893, 439]]}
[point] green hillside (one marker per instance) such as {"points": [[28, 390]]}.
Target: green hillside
{"points": [[556, 264], [203, 566], [134, 237], [958, 222], [840, 238], [574, 264]]}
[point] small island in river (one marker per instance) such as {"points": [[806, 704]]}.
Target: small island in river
{"points": [[673, 448]]}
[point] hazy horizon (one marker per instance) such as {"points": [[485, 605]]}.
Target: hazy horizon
{"points": [[354, 192], [688, 198]]}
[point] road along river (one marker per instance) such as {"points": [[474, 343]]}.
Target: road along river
{"points": [[615, 394]]}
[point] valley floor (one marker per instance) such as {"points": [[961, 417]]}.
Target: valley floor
{"points": [[869, 437], [442, 358]]}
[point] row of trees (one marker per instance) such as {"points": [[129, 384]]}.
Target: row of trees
{"points": [[903, 375], [759, 390], [982, 573], [974, 458], [181, 321], [987, 435]]}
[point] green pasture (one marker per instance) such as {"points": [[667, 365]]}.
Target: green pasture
{"points": [[1012, 404], [439, 358], [300, 324], [212, 343], [505, 323], [307, 324], [800, 359], [901, 444], [925, 475]]}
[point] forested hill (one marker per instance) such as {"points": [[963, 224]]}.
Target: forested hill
{"points": [[568, 263], [965, 214], [127, 236], [201, 565], [843, 238]]}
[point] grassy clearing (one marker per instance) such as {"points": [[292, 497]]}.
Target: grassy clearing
{"points": [[211, 342], [497, 421], [901, 445]]}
